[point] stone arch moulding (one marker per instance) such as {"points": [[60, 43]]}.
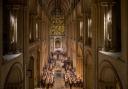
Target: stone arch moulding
{"points": [[15, 70], [107, 65]]}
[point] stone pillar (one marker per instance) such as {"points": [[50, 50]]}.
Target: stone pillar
{"points": [[95, 19], [42, 31], [85, 36], [66, 35], [74, 42], [39, 53], [25, 46], [84, 62], [124, 29], [85, 27], [69, 37], [124, 38]]}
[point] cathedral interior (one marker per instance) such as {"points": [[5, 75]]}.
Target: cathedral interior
{"points": [[63, 44]]}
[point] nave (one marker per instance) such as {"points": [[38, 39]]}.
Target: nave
{"points": [[64, 44]]}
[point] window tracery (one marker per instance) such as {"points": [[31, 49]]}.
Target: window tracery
{"points": [[57, 26]]}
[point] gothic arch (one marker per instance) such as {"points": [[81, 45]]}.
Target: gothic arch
{"points": [[108, 76], [65, 6], [14, 79]]}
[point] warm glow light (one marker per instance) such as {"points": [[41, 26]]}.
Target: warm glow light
{"points": [[36, 30], [81, 28], [30, 35], [57, 26], [107, 25], [109, 16], [89, 28], [13, 27]]}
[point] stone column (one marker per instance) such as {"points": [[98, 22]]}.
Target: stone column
{"points": [[95, 27], [74, 53], [25, 45], [66, 35], [69, 37], [43, 44], [39, 50], [124, 37], [85, 28], [124, 29]]}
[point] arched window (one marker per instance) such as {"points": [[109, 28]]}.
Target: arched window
{"points": [[10, 32], [108, 29], [112, 26], [89, 34], [37, 31], [13, 29]]}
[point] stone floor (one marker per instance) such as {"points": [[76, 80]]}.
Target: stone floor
{"points": [[59, 84]]}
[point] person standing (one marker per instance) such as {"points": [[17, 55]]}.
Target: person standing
{"points": [[70, 83]]}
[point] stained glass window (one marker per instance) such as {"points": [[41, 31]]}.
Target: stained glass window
{"points": [[57, 26]]}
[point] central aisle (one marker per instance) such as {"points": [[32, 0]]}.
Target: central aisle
{"points": [[59, 81]]}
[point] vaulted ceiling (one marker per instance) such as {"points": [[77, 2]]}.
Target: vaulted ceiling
{"points": [[62, 6]]}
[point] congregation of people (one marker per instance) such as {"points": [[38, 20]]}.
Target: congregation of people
{"points": [[47, 78], [57, 62], [72, 80]]}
